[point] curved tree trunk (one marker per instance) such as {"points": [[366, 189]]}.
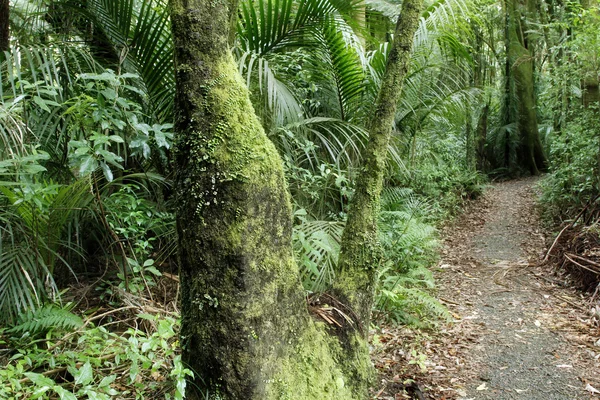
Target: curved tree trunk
{"points": [[360, 251], [246, 332]]}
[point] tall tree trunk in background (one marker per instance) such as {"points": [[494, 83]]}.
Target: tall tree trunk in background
{"points": [[470, 160], [4, 26], [590, 84], [360, 250], [246, 331], [481, 137], [479, 73], [530, 153]]}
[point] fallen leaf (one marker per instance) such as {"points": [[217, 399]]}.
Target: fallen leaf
{"points": [[591, 389], [482, 387], [564, 366]]}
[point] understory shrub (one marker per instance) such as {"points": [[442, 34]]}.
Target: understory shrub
{"points": [[73, 359], [574, 176]]}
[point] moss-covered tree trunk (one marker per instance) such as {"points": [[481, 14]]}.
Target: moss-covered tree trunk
{"points": [[530, 153], [360, 250], [246, 332], [4, 26]]}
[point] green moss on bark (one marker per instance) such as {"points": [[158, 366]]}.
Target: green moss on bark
{"points": [[360, 252], [246, 332]]}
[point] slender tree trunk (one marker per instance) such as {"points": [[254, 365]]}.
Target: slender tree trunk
{"points": [[4, 26], [481, 137], [246, 332], [360, 251], [469, 140], [479, 74]]}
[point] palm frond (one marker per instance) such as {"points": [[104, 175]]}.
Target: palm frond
{"points": [[344, 67], [277, 97], [139, 34], [317, 246], [337, 142]]}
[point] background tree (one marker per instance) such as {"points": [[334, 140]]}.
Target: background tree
{"points": [[520, 58], [4, 25]]}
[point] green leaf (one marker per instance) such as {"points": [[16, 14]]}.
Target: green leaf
{"points": [[33, 168], [63, 394], [153, 271], [88, 165], [107, 380], [107, 172], [39, 379], [82, 150], [116, 138], [40, 102], [86, 375]]}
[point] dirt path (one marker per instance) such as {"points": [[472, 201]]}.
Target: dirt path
{"points": [[517, 334]]}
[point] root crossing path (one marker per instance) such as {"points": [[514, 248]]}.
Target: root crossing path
{"points": [[520, 332]]}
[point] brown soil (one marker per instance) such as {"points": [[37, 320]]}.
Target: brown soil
{"points": [[519, 332]]}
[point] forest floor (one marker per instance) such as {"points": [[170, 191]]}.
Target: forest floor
{"points": [[518, 330]]}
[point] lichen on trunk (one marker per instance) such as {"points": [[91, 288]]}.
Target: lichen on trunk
{"points": [[246, 332]]}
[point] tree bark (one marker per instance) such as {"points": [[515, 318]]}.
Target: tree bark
{"points": [[360, 250], [246, 332], [530, 153], [481, 138], [4, 26]]}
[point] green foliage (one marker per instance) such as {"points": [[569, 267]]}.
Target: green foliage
{"points": [[574, 169], [317, 246], [94, 363], [441, 175], [106, 127], [44, 319], [410, 247], [35, 215]]}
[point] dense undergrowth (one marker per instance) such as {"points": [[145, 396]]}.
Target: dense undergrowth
{"points": [[570, 202], [570, 192], [85, 175]]}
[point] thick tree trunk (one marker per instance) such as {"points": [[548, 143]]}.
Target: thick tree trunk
{"points": [[246, 332], [360, 251], [531, 154], [4, 26]]}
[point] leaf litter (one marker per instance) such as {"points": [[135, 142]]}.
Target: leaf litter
{"points": [[519, 330]]}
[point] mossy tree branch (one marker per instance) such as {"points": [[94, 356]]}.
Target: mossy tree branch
{"points": [[360, 251]]}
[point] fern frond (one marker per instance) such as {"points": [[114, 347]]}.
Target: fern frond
{"points": [[317, 246], [411, 306], [46, 318]]}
